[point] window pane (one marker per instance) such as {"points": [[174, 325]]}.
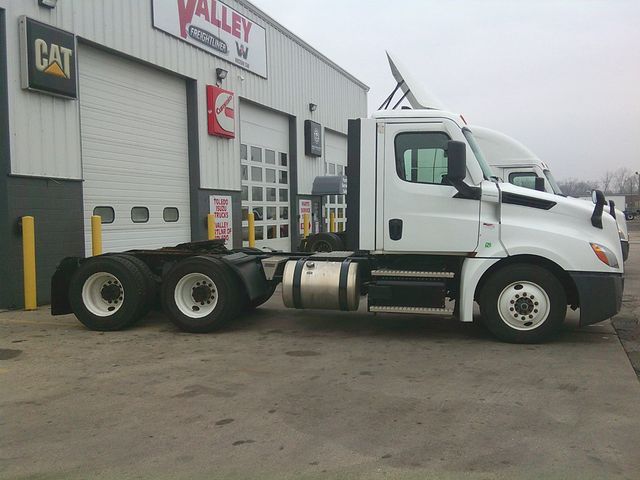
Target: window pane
{"points": [[526, 180], [256, 174], [140, 214], [256, 194], [271, 213], [283, 177], [259, 233], [245, 213], [106, 214], [244, 172], [170, 214], [245, 193], [284, 195], [270, 157], [420, 156], [258, 213], [340, 170], [340, 213], [332, 169], [272, 231], [256, 154], [284, 213], [243, 151], [245, 234], [283, 159], [271, 194], [270, 175], [284, 231]]}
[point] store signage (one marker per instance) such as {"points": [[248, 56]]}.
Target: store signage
{"points": [[312, 138], [48, 59], [304, 206], [217, 28], [220, 112], [221, 206]]}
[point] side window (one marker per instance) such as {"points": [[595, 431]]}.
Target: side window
{"points": [[421, 156], [106, 214], [523, 179], [139, 214]]}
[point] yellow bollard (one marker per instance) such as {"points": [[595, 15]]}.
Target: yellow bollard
{"points": [[332, 222], [211, 226], [29, 262], [305, 227], [96, 235], [252, 229]]}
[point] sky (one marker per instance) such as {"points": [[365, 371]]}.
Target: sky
{"points": [[561, 76]]}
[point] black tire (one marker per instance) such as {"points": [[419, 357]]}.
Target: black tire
{"points": [[127, 308], [227, 295], [151, 280], [508, 280], [325, 242]]}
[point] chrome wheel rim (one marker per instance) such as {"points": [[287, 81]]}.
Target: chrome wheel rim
{"points": [[196, 295], [523, 305], [102, 294]]}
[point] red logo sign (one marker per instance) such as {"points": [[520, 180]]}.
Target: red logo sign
{"points": [[220, 112]]}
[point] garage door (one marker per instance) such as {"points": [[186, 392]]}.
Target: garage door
{"points": [[264, 159], [134, 152], [335, 163]]}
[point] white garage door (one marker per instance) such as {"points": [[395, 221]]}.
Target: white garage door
{"points": [[134, 153], [264, 158], [335, 147]]}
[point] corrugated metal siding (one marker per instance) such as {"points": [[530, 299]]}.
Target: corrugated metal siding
{"points": [[45, 130]]}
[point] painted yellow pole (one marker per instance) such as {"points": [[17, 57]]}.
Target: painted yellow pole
{"points": [[96, 235], [305, 227], [211, 226], [29, 262], [252, 229], [332, 222]]}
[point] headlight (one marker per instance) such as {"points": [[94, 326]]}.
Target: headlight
{"points": [[605, 255]]}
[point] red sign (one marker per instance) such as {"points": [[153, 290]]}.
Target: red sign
{"points": [[220, 112]]}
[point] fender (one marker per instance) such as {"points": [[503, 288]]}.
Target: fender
{"points": [[472, 271]]}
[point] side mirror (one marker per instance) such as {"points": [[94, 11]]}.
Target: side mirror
{"points": [[540, 184], [597, 197], [456, 161]]}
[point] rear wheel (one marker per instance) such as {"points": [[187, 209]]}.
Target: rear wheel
{"points": [[523, 304], [108, 293], [200, 294]]}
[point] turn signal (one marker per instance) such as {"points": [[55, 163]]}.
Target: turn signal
{"points": [[605, 255]]}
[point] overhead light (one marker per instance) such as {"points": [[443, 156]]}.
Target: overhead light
{"points": [[313, 107], [221, 74], [48, 3]]}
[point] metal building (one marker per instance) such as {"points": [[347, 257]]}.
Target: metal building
{"points": [[154, 113]]}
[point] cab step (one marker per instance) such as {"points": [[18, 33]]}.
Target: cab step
{"points": [[386, 272], [414, 310]]}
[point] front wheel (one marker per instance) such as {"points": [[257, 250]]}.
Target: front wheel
{"points": [[523, 304]]}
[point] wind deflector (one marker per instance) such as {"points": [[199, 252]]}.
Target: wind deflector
{"points": [[415, 93]]}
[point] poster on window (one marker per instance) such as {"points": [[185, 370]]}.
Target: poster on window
{"points": [[222, 207], [304, 206]]}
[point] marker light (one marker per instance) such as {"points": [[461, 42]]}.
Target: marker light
{"points": [[605, 255]]}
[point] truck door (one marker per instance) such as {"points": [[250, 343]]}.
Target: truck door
{"points": [[421, 213]]}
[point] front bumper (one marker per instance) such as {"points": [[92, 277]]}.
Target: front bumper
{"points": [[599, 295]]}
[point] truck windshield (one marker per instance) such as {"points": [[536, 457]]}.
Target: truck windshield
{"points": [[552, 181], [486, 169]]}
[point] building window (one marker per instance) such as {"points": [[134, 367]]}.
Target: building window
{"points": [[139, 214], [256, 154], [106, 214], [170, 214]]}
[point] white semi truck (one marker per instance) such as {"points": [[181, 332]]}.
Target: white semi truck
{"points": [[430, 233], [515, 163]]}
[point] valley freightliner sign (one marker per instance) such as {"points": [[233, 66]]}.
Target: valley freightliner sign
{"points": [[217, 28]]}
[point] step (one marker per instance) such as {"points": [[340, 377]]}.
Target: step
{"points": [[384, 272], [414, 310]]}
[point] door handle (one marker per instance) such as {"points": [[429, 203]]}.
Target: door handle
{"points": [[395, 229]]}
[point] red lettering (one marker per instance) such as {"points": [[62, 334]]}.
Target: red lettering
{"points": [[186, 8], [246, 27], [235, 24], [203, 9], [214, 13], [225, 26]]}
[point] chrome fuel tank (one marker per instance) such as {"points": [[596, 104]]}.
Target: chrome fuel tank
{"points": [[321, 284]]}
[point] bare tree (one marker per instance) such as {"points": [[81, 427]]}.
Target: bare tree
{"points": [[623, 181], [606, 181], [578, 188]]}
